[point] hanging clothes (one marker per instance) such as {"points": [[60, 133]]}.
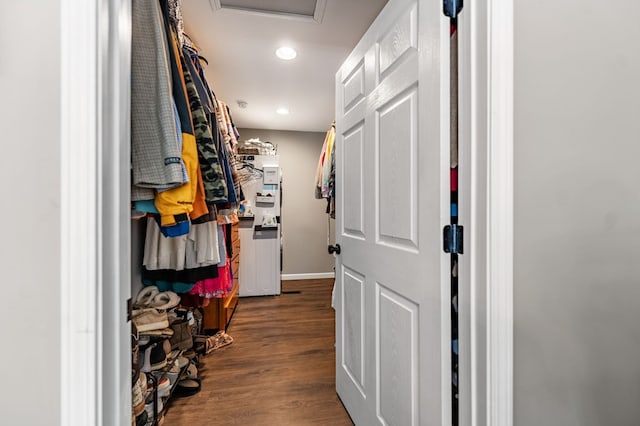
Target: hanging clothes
{"points": [[229, 138], [156, 157], [323, 169], [326, 167], [184, 170], [331, 185], [179, 201], [175, 18], [223, 283], [214, 183], [197, 249], [326, 171]]}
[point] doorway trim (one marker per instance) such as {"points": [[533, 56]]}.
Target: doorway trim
{"points": [[94, 202], [81, 328], [82, 188], [499, 212], [486, 117]]}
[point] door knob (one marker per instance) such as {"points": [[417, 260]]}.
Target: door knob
{"points": [[334, 249]]}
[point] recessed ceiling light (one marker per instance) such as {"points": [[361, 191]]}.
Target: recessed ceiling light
{"points": [[282, 111], [286, 53]]}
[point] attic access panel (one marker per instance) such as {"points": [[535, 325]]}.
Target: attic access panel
{"points": [[312, 10]]}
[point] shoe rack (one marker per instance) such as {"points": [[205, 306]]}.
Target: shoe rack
{"points": [[164, 355]]}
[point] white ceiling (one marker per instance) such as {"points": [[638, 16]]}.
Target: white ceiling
{"points": [[240, 48]]}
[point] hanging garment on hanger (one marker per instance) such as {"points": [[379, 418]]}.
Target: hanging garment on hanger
{"points": [[197, 61], [175, 18], [189, 276], [317, 188], [214, 184], [155, 157], [326, 167], [195, 69], [200, 202], [214, 287], [227, 138], [161, 252], [223, 283], [197, 249], [324, 158], [233, 128], [224, 155], [219, 125], [202, 246], [179, 200], [331, 193]]}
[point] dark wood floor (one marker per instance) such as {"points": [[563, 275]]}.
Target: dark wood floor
{"points": [[280, 369]]}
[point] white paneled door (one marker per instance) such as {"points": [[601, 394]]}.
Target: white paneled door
{"points": [[392, 300]]}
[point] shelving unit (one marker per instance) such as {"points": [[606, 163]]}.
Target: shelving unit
{"points": [[155, 378]]}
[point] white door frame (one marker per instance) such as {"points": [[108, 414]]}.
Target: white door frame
{"points": [[94, 114], [486, 47], [500, 139], [95, 229]]}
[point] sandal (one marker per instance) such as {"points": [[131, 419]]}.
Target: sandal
{"points": [[217, 341]]}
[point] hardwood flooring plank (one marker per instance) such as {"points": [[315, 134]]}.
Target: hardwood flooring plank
{"points": [[280, 369]]}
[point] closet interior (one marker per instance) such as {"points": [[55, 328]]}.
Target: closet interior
{"points": [[205, 210]]}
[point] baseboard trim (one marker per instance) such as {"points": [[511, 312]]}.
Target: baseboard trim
{"points": [[312, 276]]}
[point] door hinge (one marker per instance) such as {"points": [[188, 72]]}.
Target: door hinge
{"points": [[452, 8], [453, 239]]}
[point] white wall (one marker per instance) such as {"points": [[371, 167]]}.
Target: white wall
{"points": [[30, 173], [304, 221], [577, 213]]}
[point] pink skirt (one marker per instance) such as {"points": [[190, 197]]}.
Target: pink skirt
{"points": [[215, 287]]}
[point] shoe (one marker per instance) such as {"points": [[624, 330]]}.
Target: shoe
{"points": [[149, 319], [166, 346], [164, 387], [154, 358], [144, 340], [182, 338], [192, 371], [145, 296], [187, 387], [182, 362], [138, 394], [142, 419], [165, 300], [173, 355], [217, 341], [173, 373], [160, 332], [149, 406], [135, 359], [189, 354]]}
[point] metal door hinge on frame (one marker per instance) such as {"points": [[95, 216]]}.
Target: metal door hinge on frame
{"points": [[453, 237]]}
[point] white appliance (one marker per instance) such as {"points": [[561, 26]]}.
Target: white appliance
{"points": [[259, 229]]}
